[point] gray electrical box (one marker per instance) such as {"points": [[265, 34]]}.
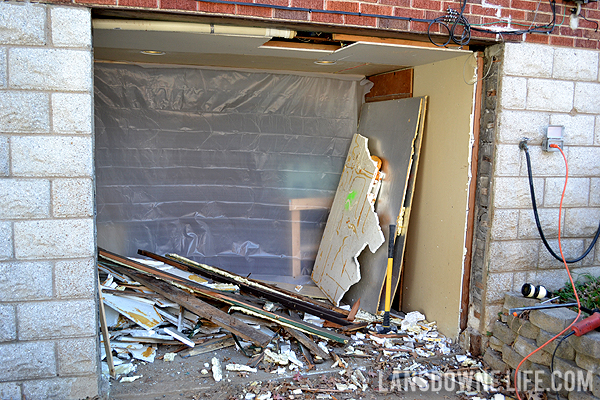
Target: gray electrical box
{"points": [[554, 135]]}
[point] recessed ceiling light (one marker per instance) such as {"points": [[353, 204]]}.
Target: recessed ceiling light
{"points": [[324, 62], [153, 52]]}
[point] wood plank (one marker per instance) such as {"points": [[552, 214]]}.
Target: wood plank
{"points": [[308, 343], [466, 276], [285, 298], [237, 301], [105, 334], [391, 85], [371, 39], [194, 304], [211, 345], [351, 226]]}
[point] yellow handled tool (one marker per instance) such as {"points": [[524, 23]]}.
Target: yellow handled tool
{"points": [[388, 281]]}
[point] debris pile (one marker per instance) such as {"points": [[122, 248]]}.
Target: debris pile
{"points": [[197, 309]]}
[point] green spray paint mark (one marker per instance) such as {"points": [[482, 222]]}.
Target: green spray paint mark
{"points": [[350, 199]]}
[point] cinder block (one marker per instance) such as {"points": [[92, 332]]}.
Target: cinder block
{"points": [[512, 358], [504, 333], [77, 356], [572, 376], [4, 156], [493, 359], [513, 93], [588, 363], [75, 278], [27, 360], [8, 324], [60, 319], [565, 350], [542, 378], [596, 385], [72, 198], [579, 129], [543, 163], [548, 220], [514, 193], [50, 69], [71, 27], [72, 112], [24, 198], [550, 95], [73, 388], [580, 395], [508, 256], [526, 59], [508, 160], [575, 64], [10, 391], [523, 327], [597, 135], [6, 240], [580, 161], [495, 343], [513, 125], [552, 320], [52, 156], [595, 191], [586, 95], [24, 112], [571, 248], [73, 238], [25, 280], [498, 285], [3, 68], [525, 346], [588, 344], [22, 24], [577, 194], [516, 300], [505, 224], [581, 222]]}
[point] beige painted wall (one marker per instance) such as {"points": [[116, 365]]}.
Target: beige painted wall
{"points": [[436, 234]]}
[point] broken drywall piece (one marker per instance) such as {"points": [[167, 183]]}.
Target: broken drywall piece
{"points": [[352, 224], [142, 313]]}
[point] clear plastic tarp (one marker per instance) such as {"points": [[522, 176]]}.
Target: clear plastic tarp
{"points": [[204, 162]]}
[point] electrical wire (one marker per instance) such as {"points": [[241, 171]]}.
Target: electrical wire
{"points": [[453, 21], [568, 273], [523, 146], [554, 354]]}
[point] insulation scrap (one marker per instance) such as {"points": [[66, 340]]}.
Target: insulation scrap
{"points": [[216, 369]]}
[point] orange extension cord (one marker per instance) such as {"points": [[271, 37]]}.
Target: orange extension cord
{"points": [[568, 272]]}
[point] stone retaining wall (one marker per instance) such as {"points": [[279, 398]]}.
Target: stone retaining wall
{"points": [[577, 360]]}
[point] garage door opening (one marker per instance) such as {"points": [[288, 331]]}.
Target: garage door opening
{"points": [[204, 140]]}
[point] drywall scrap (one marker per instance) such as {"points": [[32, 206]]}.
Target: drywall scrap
{"points": [[352, 223], [397, 142]]}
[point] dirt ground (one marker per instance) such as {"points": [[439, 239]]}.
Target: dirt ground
{"points": [[183, 379]]}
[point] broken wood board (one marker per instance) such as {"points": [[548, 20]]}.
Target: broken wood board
{"points": [[186, 299], [207, 347], [308, 343], [311, 291], [201, 308], [288, 299], [397, 142], [352, 224], [142, 313]]}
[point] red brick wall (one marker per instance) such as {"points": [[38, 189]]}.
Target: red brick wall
{"points": [[521, 12]]}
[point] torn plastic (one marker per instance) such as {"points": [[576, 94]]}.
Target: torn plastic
{"points": [[204, 162]]}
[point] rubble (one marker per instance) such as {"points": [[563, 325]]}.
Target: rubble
{"points": [[190, 319]]}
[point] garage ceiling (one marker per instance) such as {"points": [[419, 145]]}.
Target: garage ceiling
{"points": [[238, 47]]}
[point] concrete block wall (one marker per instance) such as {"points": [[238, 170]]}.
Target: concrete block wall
{"points": [[540, 85], [48, 317]]}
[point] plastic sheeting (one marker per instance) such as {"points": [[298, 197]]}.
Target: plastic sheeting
{"points": [[203, 162]]}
